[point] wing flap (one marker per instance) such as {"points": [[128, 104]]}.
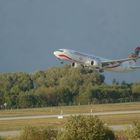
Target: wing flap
{"points": [[117, 61]]}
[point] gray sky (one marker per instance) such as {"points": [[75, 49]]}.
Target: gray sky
{"points": [[30, 30]]}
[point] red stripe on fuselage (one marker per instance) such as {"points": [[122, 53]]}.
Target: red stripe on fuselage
{"points": [[113, 66], [63, 56]]}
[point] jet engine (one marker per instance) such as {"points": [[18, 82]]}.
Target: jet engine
{"points": [[94, 63], [76, 65]]}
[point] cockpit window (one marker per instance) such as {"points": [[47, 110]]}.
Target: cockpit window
{"points": [[61, 50]]}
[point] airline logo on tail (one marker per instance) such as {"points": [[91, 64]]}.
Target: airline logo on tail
{"points": [[135, 54]]}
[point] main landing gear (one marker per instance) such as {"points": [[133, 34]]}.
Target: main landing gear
{"points": [[101, 70]]}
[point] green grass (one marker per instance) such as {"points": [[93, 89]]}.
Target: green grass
{"points": [[20, 124], [70, 109], [120, 119], [57, 123], [109, 119]]}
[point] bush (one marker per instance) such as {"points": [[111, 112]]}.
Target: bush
{"points": [[34, 133], [134, 133], [86, 128]]}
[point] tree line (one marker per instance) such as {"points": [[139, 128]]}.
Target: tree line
{"points": [[62, 86]]}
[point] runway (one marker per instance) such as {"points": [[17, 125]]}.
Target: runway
{"points": [[67, 115]]}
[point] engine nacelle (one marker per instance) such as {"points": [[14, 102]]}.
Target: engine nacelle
{"points": [[94, 63], [76, 65]]}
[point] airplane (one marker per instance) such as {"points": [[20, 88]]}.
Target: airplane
{"points": [[79, 59]]}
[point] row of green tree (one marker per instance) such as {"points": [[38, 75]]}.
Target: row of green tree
{"points": [[62, 86]]}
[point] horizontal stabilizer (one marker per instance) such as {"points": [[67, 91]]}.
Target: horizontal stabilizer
{"points": [[135, 67]]}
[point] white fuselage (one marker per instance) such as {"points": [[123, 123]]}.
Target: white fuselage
{"points": [[86, 60]]}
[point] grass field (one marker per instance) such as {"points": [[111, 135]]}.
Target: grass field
{"points": [[70, 109], [109, 119]]}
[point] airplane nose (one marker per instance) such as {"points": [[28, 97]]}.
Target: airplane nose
{"points": [[54, 53]]}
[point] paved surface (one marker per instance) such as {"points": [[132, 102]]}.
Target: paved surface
{"points": [[120, 127], [9, 133], [67, 115]]}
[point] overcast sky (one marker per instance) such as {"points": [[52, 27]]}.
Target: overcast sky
{"points": [[30, 30]]}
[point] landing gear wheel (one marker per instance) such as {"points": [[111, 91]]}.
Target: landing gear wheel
{"points": [[101, 70]]}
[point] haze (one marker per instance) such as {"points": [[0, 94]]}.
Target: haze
{"points": [[30, 30]]}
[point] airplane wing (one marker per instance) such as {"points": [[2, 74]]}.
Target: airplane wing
{"points": [[117, 61], [135, 67]]}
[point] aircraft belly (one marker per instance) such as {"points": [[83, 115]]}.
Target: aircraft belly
{"points": [[120, 69]]}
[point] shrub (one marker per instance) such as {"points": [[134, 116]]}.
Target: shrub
{"points": [[34, 133], [133, 133], [86, 128]]}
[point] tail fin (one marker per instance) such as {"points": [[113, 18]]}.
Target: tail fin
{"points": [[137, 50], [135, 54]]}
